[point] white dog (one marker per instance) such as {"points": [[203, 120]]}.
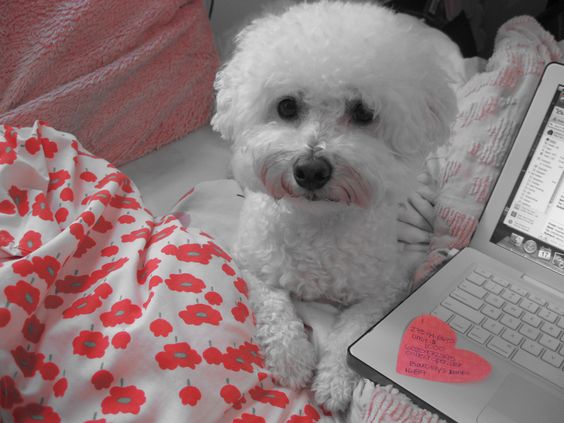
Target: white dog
{"points": [[331, 108]]}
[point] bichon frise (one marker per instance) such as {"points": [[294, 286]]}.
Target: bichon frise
{"points": [[331, 108]]}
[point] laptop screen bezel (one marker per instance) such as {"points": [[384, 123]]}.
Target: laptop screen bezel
{"points": [[552, 77]]}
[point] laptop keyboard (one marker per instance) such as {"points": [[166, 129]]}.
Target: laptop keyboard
{"points": [[510, 321]]}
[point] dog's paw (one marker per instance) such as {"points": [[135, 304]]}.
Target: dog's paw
{"points": [[292, 364], [334, 384]]}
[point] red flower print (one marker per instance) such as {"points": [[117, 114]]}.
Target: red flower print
{"points": [[178, 355], [311, 415], [150, 267], [49, 148], [53, 301], [160, 327], [122, 180], [88, 176], [269, 396], [103, 225], [5, 238], [155, 281], [103, 196], [185, 282], [32, 145], [199, 314], [66, 194], [24, 295], [47, 268], [33, 412], [159, 236], [22, 267], [252, 353], [5, 317], [7, 207], [40, 208], [212, 355], [228, 270], [9, 393], [249, 418], [73, 284], [240, 312], [126, 219], [190, 395], [103, 290], [236, 359], [31, 241], [49, 371], [127, 399], [149, 299], [214, 298], [217, 251], [232, 395], [106, 269], [189, 253], [83, 246], [8, 150], [109, 251], [33, 329], [90, 344], [123, 202], [241, 286], [57, 179], [88, 217], [61, 215], [121, 340], [60, 387], [84, 305], [28, 361], [20, 198], [142, 233], [102, 379], [121, 312]]}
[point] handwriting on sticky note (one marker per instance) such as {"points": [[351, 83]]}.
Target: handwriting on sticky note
{"points": [[428, 351]]}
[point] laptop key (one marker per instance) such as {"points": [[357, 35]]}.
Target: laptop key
{"points": [[509, 321], [539, 367], [442, 313], [551, 329], [500, 281], [529, 331], [510, 296], [460, 324], [560, 323], [512, 309], [549, 342], [493, 287], [553, 358], [466, 298], [529, 305], [536, 299], [548, 315], [494, 300], [493, 326], [512, 336], [531, 319], [476, 279], [491, 311], [463, 310], [476, 291], [531, 347], [522, 292], [478, 334], [483, 272], [500, 346], [557, 309]]}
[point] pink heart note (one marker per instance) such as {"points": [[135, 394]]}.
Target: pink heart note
{"points": [[428, 351]]}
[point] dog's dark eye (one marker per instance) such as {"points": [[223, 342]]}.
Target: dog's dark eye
{"points": [[361, 114], [288, 108]]}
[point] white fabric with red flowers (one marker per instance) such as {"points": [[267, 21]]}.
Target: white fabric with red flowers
{"points": [[108, 313]]}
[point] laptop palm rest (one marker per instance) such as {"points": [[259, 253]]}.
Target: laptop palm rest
{"points": [[519, 401]]}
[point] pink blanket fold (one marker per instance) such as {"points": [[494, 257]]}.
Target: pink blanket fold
{"points": [[125, 76]]}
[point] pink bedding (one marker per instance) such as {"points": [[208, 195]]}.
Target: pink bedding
{"points": [[108, 313], [124, 82]]}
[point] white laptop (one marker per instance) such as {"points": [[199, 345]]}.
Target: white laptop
{"points": [[503, 295]]}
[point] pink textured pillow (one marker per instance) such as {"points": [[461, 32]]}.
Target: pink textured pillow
{"points": [[125, 76]]}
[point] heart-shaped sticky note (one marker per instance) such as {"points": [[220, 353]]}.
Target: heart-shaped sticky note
{"points": [[428, 351]]}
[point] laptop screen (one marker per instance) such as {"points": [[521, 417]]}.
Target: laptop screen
{"points": [[532, 222]]}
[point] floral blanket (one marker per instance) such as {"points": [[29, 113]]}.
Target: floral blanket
{"points": [[108, 313]]}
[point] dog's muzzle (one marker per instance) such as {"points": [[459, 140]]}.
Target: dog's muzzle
{"points": [[312, 173]]}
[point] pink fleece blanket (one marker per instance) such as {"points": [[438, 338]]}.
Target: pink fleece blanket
{"points": [[125, 76]]}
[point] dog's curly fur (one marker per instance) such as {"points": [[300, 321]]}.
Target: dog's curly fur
{"points": [[336, 242]]}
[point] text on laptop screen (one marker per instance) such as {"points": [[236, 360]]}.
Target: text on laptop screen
{"points": [[532, 223]]}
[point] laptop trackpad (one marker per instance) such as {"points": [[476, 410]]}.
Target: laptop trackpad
{"points": [[519, 401]]}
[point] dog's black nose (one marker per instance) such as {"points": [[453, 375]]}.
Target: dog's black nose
{"points": [[312, 173]]}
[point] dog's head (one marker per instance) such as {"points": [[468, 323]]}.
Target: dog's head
{"points": [[332, 103]]}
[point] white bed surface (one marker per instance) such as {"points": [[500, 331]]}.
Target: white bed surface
{"points": [[166, 174]]}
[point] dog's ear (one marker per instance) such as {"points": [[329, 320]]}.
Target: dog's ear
{"points": [[421, 114]]}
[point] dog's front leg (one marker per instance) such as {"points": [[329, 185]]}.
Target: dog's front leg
{"points": [[335, 380], [289, 355]]}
